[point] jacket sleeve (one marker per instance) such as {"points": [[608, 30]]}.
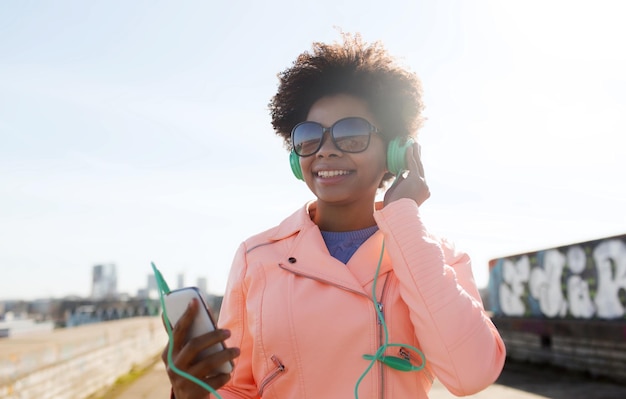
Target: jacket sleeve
{"points": [[233, 316], [460, 342]]}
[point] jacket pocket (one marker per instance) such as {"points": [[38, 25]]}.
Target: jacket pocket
{"points": [[273, 375]]}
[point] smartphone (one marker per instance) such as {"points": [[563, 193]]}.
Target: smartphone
{"points": [[176, 303]]}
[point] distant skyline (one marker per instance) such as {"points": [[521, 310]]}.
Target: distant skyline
{"points": [[133, 132]]}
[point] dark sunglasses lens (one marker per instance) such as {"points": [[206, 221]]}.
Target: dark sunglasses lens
{"points": [[352, 134], [306, 138]]}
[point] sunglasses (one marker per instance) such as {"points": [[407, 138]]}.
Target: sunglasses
{"points": [[348, 134]]}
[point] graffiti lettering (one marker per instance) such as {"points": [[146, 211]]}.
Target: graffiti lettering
{"points": [[512, 288], [545, 284], [610, 258], [584, 280], [579, 299]]}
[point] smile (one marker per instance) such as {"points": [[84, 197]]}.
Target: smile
{"points": [[332, 173]]}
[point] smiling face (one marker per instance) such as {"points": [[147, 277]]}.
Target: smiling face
{"points": [[338, 178]]}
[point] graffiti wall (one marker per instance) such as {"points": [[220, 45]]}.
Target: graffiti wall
{"points": [[581, 281]]}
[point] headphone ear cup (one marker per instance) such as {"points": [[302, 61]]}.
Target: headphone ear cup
{"points": [[294, 161], [396, 155]]}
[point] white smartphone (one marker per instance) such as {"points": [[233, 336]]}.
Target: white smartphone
{"points": [[176, 303]]}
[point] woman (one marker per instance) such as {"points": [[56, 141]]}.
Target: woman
{"points": [[347, 297]]}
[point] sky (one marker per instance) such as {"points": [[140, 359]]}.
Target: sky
{"points": [[139, 131]]}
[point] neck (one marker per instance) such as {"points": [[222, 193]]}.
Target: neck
{"points": [[330, 217]]}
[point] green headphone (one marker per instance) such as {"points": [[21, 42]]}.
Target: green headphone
{"points": [[396, 157]]}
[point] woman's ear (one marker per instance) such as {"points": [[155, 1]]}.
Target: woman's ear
{"points": [[386, 179]]}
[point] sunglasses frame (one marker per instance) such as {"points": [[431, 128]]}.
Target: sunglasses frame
{"points": [[330, 130]]}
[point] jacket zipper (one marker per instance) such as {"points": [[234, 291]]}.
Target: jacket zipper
{"points": [[381, 333], [378, 304], [277, 371]]}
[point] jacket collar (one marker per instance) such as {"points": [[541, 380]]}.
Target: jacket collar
{"points": [[313, 259], [298, 221]]}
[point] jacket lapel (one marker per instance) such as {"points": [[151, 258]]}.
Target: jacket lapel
{"points": [[309, 256]]}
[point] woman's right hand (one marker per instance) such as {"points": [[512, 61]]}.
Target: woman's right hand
{"points": [[185, 352], [413, 184]]}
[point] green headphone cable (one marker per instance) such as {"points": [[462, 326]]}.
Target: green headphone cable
{"points": [[391, 361], [164, 290]]}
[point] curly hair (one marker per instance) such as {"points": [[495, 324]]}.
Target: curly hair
{"points": [[366, 71]]}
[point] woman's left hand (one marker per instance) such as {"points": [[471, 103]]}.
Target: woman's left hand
{"points": [[412, 184]]}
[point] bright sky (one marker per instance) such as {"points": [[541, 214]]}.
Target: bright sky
{"points": [[138, 131]]}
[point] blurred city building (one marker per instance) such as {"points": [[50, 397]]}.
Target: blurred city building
{"points": [[105, 303], [202, 284], [104, 282]]}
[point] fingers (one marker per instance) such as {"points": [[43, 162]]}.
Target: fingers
{"points": [[216, 360], [217, 357], [190, 355], [218, 381], [197, 363], [412, 184], [202, 365], [414, 160], [209, 368], [213, 365], [417, 151], [185, 353], [205, 341]]}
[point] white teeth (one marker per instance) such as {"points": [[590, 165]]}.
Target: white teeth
{"points": [[331, 173]]}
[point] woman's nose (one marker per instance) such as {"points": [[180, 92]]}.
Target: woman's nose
{"points": [[328, 147]]}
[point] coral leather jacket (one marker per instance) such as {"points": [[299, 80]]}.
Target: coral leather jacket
{"points": [[304, 320]]}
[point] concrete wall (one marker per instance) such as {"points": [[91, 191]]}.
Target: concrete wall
{"points": [[565, 306], [14, 328], [74, 363], [595, 347]]}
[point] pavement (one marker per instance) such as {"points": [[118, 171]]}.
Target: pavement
{"points": [[517, 381], [153, 384]]}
